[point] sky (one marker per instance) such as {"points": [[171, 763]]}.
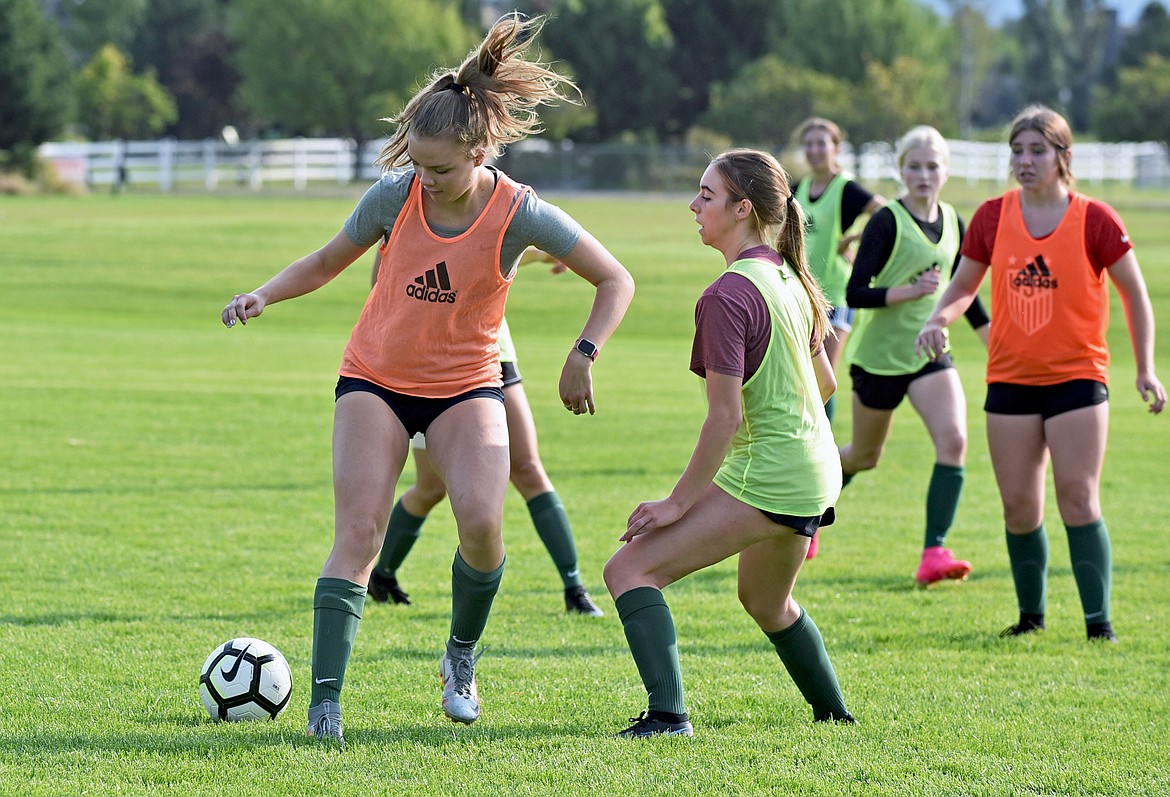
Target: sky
{"points": [[997, 11]]}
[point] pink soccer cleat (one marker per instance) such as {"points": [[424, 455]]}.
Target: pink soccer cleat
{"points": [[938, 563]]}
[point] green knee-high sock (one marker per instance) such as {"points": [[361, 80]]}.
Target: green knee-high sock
{"points": [[337, 611], [942, 500], [831, 407], [802, 650], [1029, 559], [552, 524], [650, 632], [472, 593], [401, 534], [1092, 565]]}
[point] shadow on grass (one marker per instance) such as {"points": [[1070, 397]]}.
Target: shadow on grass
{"points": [[201, 738], [153, 489]]}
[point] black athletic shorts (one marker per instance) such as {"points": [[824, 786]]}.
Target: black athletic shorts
{"points": [[1004, 398], [415, 413], [511, 374], [879, 392], [804, 526]]}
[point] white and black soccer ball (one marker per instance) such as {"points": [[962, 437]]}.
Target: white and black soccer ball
{"points": [[245, 679]]}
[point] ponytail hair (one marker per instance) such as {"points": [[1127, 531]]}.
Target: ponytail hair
{"points": [[759, 178], [489, 101]]}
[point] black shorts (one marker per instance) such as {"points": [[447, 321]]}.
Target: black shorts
{"points": [[511, 374], [804, 526], [415, 413], [1004, 398], [879, 392]]}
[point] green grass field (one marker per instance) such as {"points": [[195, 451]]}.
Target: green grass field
{"points": [[165, 486]]}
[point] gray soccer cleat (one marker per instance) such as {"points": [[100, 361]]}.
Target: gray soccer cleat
{"points": [[457, 673], [325, 723]]}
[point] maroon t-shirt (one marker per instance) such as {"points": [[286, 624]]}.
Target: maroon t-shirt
{"points": [[733, 325]]}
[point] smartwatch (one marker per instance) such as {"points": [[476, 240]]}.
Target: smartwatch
{"points": [[586, 347]]}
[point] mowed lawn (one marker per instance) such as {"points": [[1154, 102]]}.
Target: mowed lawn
{"points": [[165, 485]]}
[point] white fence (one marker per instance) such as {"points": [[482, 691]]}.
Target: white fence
{"points": [[168, 164]]}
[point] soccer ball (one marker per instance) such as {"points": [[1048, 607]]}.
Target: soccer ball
{"points": [[245, 679]]}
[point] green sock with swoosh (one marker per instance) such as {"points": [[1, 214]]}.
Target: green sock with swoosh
{"points": [[552, 524], [337, 611]]}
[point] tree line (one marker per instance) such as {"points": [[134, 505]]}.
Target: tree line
{"points": [[649, 70]]}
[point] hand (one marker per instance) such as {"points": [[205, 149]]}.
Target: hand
{"points": [[242, 307], [931, 341], [651, 515], [927, 282], [576, 384], [1152, 392]]}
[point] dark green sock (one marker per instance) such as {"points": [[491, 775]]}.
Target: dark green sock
{"points": [[802, 650], [1092, 566], [1028, 554], [650, 632], [472, 593], [846, 478], [552, 524], [337, 611], [401, 534], [831, 407], [942, 500]]}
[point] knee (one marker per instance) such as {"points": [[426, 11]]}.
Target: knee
{"points": [[360, 539], [769, 614], [1022, 516], [529, 478], [424, 496], [479, 528], [854, 460], [622, 573], [952, 447], [1079, 503]]}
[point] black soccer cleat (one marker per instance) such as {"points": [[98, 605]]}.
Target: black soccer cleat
{"points": [[577, 601], [383, 589], [646, 726], [1100, 632], [1029, 623]]}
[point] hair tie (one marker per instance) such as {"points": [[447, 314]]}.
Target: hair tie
{"points": [[791, 198], [453, 86]]}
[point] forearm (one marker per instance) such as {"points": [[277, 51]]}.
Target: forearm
{"points": [[711, 448], [298, 278], [610, 302], [1139, 316]]}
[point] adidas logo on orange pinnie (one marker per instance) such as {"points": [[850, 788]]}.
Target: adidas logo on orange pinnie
{"points": [[1034, 275], [1030, 297], [433, 286]]}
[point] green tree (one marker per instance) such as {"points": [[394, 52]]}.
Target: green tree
{"points": [[1139, 108], [769, 98], [1151, 34], [113, 102], [89, 25], [187, 43], [713, 41], [337, 68], [841, 37], [35, 90], [619, 51], [893, 98]]}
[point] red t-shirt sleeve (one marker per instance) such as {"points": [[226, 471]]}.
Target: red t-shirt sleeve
{"points": [[1106, 239], [980, 237]]}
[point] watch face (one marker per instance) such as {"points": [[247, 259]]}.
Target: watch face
{"points": [[587, 348]]}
